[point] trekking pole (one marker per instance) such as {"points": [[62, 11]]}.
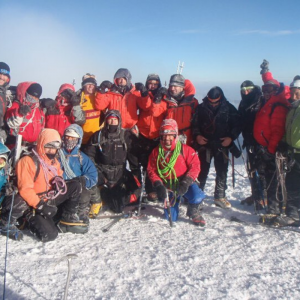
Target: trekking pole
{"points": [[168, 207], [6, 245], [281, 174], [143, 179], [68, 257], [232, 164]]}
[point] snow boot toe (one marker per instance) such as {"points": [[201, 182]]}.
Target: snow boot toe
{"points": [[223, 203]]}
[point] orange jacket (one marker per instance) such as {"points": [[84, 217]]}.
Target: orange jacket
{"points": [[26, 170], [127, 105], [150, 120], [183, 112]]}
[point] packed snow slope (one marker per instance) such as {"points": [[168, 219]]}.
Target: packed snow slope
{"points": [[146, 259]]}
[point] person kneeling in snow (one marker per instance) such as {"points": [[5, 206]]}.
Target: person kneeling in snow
{"points": [[175, 166], [42, 191]]}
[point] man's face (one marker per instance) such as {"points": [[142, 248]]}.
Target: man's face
{"points": [[152, 85], [295, 94], [175, 90], [89, 89], [3, 79], [121, 81], [167, 140], [113, 121], [268, 91]]}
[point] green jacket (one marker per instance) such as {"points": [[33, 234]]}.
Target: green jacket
{"points": [[292, 127]]}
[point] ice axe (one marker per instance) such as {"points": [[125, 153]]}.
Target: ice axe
{"points": [[68, 257]]}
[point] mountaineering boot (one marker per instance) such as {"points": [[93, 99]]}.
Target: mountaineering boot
{"points": [[193, 212], [70, 222], [13, 232], [95, 209], [223, 203], [281, 221], [249, 201], [152, 197]]}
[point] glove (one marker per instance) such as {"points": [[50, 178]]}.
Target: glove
{"points": [[264, 67], [82, 180], [160, 95], [140, 87], [106, 84], [46, 209], [184, 185], [47, 103], [24, 110], [161, 191]]}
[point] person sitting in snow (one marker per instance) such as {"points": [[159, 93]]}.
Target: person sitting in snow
{"points": [[109, 149], [76, 164], [175, 166], [41, 191]]}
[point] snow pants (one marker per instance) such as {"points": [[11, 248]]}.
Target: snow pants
{"points": [[221, 167], [293, 189]]}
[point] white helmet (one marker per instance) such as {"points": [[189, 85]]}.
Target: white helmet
{"points": [[295, 84]]}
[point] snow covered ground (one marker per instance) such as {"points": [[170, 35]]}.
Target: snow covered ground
{"points": [[149, 260]]}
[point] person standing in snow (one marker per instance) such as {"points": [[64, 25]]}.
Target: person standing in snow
{"points": [[249, 106], [149, 125], [87, 95], [216, 125], [64, 110], [290, 147], [78, 165], [41, 191], [181, 105], [25, 117], [109, 149], [175, 166], [268, 130]]}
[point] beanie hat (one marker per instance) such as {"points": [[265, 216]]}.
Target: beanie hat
{"points": [[215, 93], [247, 83], [295, 84], [35, 90], [177, 80], [4, 69], [88, 79], [153, 77], [168, 126]]}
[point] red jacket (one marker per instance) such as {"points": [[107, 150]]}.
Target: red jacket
{"points": [[183, 112], [187, 164], [127, 105], [66, 115], [28, 126], [269, 124], [150, 120]]}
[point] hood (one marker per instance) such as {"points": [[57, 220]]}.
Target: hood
{"points": [[65, 86], [123, 73], [21, 90], [153, 77], [189, 88], [4, 149], [213, 92], [79, 131], [105, 128], [46, 136]]}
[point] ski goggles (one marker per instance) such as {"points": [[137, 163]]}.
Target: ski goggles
{"points": [[247, 89], [4, 72]]}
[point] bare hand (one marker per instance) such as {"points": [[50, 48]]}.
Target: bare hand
{"points": [[201, 140], [226, 141]]}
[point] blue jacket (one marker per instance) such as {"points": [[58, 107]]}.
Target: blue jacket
{"points": [[79, 163]]}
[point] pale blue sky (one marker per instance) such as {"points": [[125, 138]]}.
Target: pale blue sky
{"points": [[221, 42]]}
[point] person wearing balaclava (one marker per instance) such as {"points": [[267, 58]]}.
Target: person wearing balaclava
{"points": [[216, 125], [25, 117], [249, 106], [109, 149]]}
